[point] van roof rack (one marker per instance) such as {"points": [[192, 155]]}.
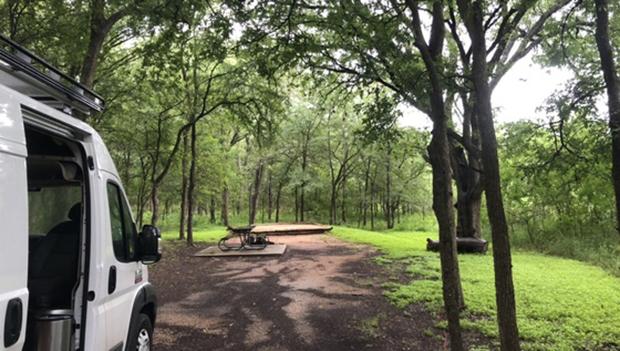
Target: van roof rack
{"points": [[31, 75]]}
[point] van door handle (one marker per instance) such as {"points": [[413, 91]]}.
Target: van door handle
{"points": [[112, 280], [13, 322]]}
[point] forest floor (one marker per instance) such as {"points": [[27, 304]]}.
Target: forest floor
{"points": [[323, 293]]}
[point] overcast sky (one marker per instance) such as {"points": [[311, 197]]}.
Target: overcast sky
{"points": [[522, 90]]}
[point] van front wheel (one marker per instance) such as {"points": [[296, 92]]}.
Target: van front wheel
{"points": [[141, 336]]}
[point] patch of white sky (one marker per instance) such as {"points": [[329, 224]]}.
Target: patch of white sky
{"points": [[518, 96]]}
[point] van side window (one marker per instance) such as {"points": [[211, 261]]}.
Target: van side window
{"points": [[122, 227]]}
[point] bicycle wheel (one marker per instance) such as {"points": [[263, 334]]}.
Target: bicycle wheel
{"points": [[222, 244], [225, 247]]}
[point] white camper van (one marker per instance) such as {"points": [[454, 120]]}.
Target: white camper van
{"points": [[73, 272]]}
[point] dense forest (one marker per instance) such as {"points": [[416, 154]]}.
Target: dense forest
{"points": [[233, 113]]}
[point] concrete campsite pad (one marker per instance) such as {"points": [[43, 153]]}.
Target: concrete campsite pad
{"points": [[269, 250]]}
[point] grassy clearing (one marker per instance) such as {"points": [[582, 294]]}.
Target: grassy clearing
{"points": [[601, 246], [562, 304], [210, 233]]}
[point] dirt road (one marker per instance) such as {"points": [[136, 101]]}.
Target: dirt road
{"points": [[322, 294]]}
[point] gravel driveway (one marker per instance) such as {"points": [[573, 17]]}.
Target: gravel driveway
{"points": [[322, 294]]}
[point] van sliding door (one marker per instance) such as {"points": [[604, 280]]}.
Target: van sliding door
{"points": [[13, 244]]}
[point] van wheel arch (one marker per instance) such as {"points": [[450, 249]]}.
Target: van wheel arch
{"points": [[140, 334], [145, 303], [149, 310]]}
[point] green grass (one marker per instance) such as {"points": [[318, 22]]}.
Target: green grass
{"points": [[599, 246], [210, 233], [562, 304]]}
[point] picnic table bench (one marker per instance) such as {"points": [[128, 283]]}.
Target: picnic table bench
{"points": [[247, 239]]}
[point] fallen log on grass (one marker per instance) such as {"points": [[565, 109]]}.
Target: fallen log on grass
{"points": [[463, 245]]}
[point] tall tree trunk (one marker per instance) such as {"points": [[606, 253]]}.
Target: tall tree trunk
{"points": [[296, 194], [343, 187], [269, 198], [612, 83], [360, 204], [439, 154], [212, 210], [365, 196], [302, 200], [224, 214], [142, 192], [278, 195], [388, 189], [126, 166], [166, 208], [502, 261], [372, 203], [240, 193], [154, 203], [238, 205], [442, 205], [184, 181], [469, 194], [333, 203], [261, 198], [467, 170], [191, 187], [468, 214], [258, 174], [302, 204]]}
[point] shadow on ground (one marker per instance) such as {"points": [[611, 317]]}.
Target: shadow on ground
{"points": [[322, 294]]}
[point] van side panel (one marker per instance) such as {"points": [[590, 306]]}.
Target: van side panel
{"points": [[13, 223]]}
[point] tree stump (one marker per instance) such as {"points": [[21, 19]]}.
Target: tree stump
{"points": [[463, 245]]}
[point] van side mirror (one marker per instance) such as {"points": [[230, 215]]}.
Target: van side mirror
{"points": [[149, 249]]}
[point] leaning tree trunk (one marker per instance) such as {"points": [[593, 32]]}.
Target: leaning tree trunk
{"points": [[502, 261], [100, 26], [613, 94], [98, 33]]}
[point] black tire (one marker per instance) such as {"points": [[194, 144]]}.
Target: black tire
{"points": [[222, 244], [140, 332], [224, 247]]}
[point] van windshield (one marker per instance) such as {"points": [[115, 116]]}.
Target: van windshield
{"points": [[49, 206]]}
